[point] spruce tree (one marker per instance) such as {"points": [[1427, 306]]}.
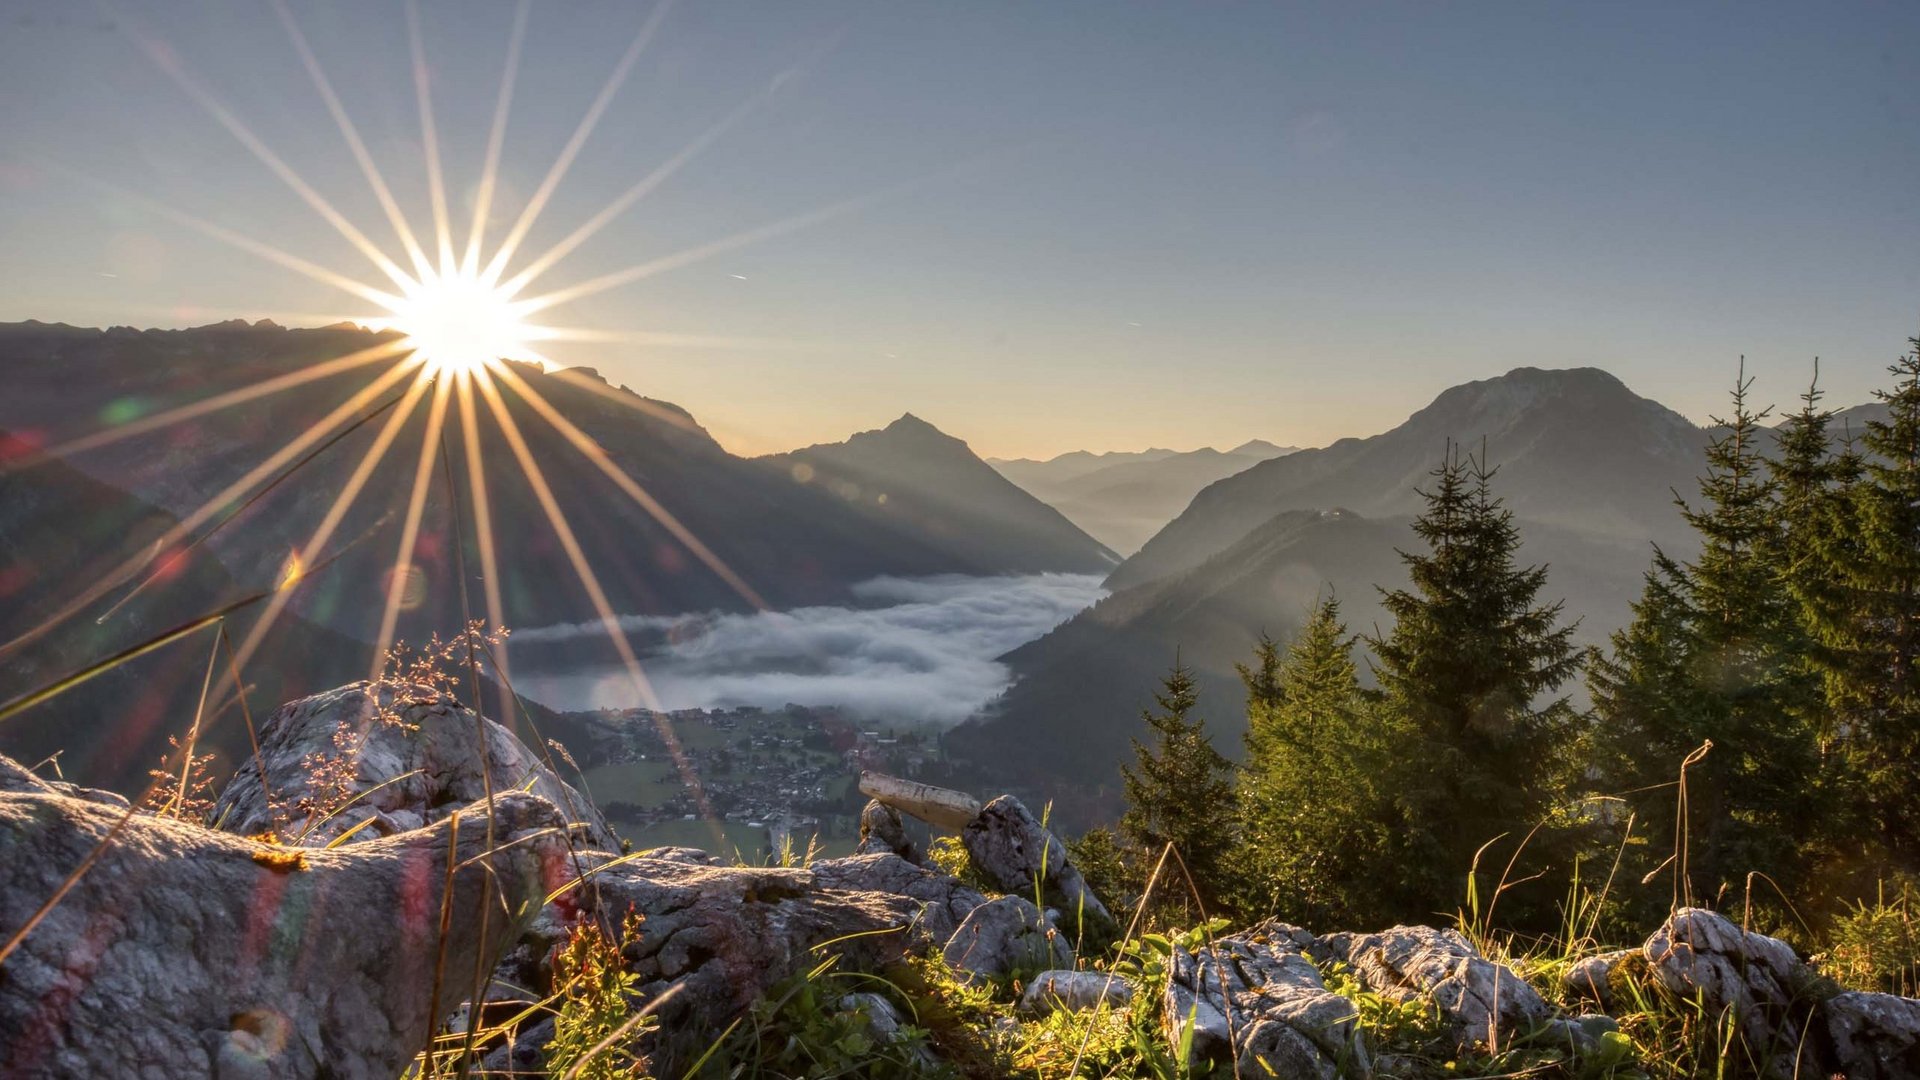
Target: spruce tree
{"points": [[1315, 816], [1715, 654], [1469, 668], [1180, 791], [1871, 633]]}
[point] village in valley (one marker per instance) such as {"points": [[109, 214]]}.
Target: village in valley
{"points": [[767, 779]]}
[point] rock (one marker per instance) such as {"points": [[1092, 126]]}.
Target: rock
{"points": [[1703, 953], [1484, 1002], [184, 952], [887, 1024], [1004, 937], [1873, 1036], [1587, 979], [883, 833], [943, 902], [683, 854], [1074, 991], [417, 766], [726, 935], [1257, 1001], [1015, 852], [526, 1055], [17, 777], [940, 807]]}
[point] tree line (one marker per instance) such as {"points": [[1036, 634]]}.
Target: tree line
{"points": [[1752, 738]]}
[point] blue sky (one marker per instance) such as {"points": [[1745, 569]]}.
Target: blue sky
{"points": [[1098, 224]]}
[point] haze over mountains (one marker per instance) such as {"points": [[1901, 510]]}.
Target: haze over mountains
{"points": [[1588, 467], [1122, 497]]}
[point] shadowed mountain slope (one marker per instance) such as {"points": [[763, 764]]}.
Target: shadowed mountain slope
{"points": [[792, 544], [912, 476]]}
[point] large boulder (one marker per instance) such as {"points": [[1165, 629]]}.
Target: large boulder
{"points": [[1874, 1036], [184, 952], [375, 759], [1704, 956], [1255, 1000], [1004, 937], [942, 901], [1484, 1002], [722, 937], [1010, 846]]}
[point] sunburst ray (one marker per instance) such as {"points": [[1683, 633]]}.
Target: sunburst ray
{"points": [[575, 143], [429, 140], [692, 255], [410, 527], [236, 490], [388, 204], [496, 139], [643, 689], [591, 450], [309, 553], [170, 64]]}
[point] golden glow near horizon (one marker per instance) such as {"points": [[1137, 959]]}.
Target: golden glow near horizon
{"points": [[456, 321]]}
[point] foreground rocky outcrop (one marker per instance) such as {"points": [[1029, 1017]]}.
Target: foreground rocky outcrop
{"points": [[375, 759], [182, 952]]}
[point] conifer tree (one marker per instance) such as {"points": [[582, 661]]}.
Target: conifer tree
{"points": [[1467, 668], [1714, 654], [1315, 817], [1180, 791], [1871, 635]]}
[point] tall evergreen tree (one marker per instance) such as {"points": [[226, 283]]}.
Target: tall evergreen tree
{"points": [[1871, 635], [1180, 791], [1469, 668], [1315, 814], [1715, 655]]}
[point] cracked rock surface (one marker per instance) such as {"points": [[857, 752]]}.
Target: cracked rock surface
{"points": [[184, 952], [1256, 1000], [413, 766], [1480, 999]]}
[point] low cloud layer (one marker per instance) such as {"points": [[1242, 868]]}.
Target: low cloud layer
{"points": [[921, 651]]}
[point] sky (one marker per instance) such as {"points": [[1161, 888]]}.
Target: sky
{"points": [[1072, 225]]}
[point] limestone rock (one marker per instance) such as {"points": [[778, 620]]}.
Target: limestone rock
{"points": [[1254, 999], [726, 935], [184, 952], [1701, 952], [1587, 979], [943, 903], [1481, 1000], [420, 763], [1874, 1036], [1015, 851], [1006, 936], [883, 833], [1074, 991]]}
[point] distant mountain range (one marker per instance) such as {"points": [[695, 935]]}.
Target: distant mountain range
{"points": [[1589, 468], [1123, 498], [914, 477], [791, 535]]}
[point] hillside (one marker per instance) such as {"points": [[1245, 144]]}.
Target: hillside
{"points": [[1576, 449], [913, 477], [1064, 726], [1123, 499], [791, 543]]}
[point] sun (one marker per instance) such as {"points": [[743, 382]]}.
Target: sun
{"points": [[458, 321]]}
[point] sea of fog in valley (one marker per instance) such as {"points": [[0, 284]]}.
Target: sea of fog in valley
{"points": [[918, 651]]}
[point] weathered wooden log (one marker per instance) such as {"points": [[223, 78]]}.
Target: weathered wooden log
{"points": [[940, 807]]}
